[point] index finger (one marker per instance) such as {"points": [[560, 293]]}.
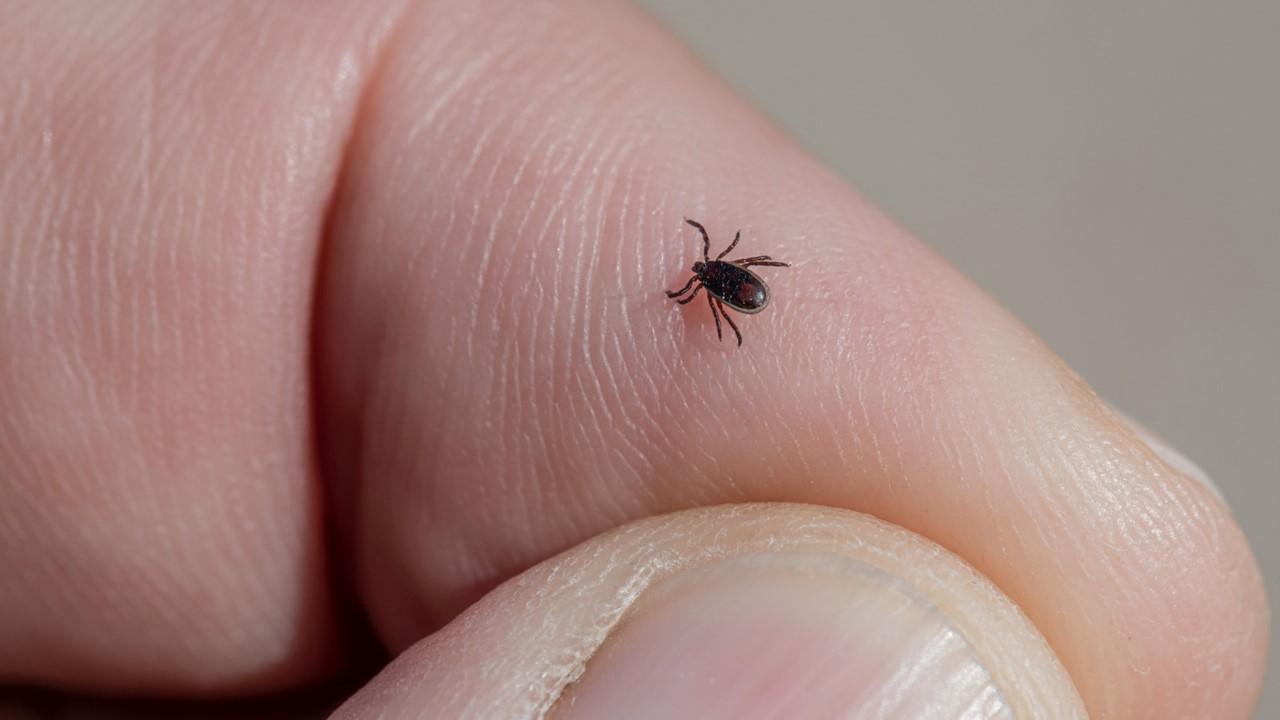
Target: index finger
{"points": [[503, 375]]}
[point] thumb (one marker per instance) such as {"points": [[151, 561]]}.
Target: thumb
{"points": [[747, 611]]}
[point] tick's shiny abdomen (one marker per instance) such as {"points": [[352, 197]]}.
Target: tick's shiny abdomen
{"points": [[737, 287]]}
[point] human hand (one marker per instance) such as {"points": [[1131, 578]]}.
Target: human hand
{"points": [[364, 300]]}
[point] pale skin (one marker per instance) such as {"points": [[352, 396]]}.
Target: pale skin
{"points": [[364, 301]]}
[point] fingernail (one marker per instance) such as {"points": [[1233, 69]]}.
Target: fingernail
{"points": [[784, 636], [1169, 455]]}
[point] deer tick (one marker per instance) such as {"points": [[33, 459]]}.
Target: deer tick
{"points": [[728, 282]]}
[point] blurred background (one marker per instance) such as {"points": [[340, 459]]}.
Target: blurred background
{"points": [[1110, 172]]}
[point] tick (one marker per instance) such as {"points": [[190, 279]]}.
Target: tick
{"points": [[728, 282]]}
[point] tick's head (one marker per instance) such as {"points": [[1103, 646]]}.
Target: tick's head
{"points": [[698, 267]]}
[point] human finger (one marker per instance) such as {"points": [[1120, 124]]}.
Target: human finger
{"points": [[751, 611], [503, 375], [164, 172]]}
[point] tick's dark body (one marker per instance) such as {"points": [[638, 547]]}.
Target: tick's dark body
{"points": [[737, 286], [727, 282]]}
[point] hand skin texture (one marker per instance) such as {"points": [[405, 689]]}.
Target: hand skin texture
{"points": [[329, 313]]}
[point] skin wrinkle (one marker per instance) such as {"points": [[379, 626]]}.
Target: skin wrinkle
{"points": [[608, 176], [566, 285], [463, 81], [522, 122], [1120, 526], [561, 357], [576, 287], [528, 110], [620, 196], [613, 388], [484, 248]]}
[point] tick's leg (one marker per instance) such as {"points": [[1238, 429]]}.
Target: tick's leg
{"points": [[706, 241], [730, 321], [712, 302], [692, 295], [683, 290], [732, 245], [759, 260]]}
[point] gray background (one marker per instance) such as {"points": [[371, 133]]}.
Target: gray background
{"points": [[1110, 171]]}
